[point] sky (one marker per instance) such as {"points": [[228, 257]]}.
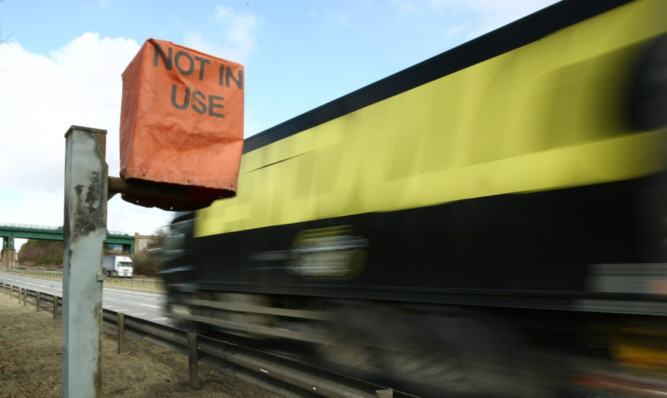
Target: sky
{"points": [[61, 64]]}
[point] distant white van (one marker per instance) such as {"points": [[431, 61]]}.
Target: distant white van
{"points": [[118, 266]]}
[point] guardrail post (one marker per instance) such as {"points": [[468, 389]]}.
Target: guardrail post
{"points": [[20, 290], [55, 306], [38, 301], [84, 231], [25, 297], [121, 332], [193, 364]]}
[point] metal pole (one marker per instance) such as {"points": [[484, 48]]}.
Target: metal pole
{"points": [[193, 364], [121, 332], [84, 230]]}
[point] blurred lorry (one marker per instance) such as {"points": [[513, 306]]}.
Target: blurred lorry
{"points": [[118, 266], [489, 222]]}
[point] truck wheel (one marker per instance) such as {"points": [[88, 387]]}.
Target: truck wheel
{"points": [[458, 356], [350, 351]]}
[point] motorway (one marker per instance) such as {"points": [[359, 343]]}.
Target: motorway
{"points": [[595, 378], [280, 374], [143, 305]]}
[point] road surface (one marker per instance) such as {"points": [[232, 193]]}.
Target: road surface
{"points": [[143, 305]]}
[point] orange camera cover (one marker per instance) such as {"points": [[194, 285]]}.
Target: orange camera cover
{"points": [[181, 123]]}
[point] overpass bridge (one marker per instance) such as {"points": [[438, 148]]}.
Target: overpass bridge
{"points": [[9, 232]]}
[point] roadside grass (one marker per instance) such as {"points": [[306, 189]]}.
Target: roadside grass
{"points": [[31, 363]]}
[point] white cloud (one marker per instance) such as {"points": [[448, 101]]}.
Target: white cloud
{"points": [[496, 14], [406, 6], [79, 84], [41, 97], [491, 14], [236, 40], [460, 21]]}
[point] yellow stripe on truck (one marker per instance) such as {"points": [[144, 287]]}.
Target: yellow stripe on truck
{"points": [[548, 115]]}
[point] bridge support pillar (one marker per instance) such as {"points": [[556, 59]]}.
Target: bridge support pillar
{"points": [[8, 258]]}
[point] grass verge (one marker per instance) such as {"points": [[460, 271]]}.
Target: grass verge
{"points": [[31, 363]]}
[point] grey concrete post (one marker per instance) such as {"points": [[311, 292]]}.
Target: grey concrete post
{"points": [[84, 230]]}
